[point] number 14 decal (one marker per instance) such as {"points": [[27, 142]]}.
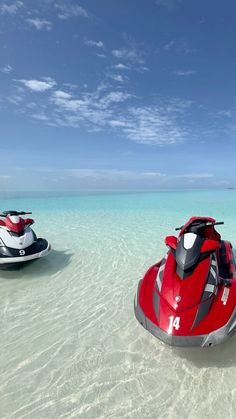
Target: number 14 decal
{"points": [[174, 323]]}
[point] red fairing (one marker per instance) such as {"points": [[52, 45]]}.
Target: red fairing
{"points": [[28, 221], [191, 291], [209, 245], [172, 285], [171, 241], [229, 258], [15, 227]]}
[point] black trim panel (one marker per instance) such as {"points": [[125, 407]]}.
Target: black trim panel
{"points": [[203, 310], [36, 247], [156, 302]]}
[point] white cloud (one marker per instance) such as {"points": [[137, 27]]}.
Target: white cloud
{"points": [[40, 117], [178, 47], [147, 124], [194, 176], [125, 67], [60, 94], [183, 73], [94, 109], [121, 66], [12, 8], [40, 24], [97, 172], [31, 105], [132, 55], [114, 97], [101, 55], [5, 177], [229, 113], [15, 99], [169, 45], [71, 105], [143, 68], [70, 86], [94, 178], [117, 124], [6, 69], [154, 125], [39, 85], [94, 100], [165, 122], [184, 48], [115, 178], [90, 42], [66, 10], [117, 77]]}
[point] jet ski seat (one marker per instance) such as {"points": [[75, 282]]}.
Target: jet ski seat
{"points": [[211, 233]]}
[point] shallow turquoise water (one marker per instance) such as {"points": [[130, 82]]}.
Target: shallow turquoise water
{"points": [[70, 345]]}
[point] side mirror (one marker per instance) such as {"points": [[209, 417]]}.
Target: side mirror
{"points": [[210, 245], [171, 241]]}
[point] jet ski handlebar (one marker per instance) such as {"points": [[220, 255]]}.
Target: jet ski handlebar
{"points": [[10, 212], [201, 225]]}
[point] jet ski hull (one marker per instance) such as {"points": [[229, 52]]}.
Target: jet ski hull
{"points": [[10, 257], [215, 337]]}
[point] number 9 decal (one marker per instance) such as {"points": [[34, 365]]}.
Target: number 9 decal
{"points": [[22, 252]]}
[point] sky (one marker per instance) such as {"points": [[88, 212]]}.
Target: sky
{"points": [[117, 94]]}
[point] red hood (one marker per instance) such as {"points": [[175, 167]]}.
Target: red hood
{"points": [[15, 227], [190, 289]]}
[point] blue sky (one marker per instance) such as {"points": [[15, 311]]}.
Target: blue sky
{"points": [[117, 94]]}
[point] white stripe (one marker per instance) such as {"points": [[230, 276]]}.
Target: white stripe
{"points": [[158, 281], [213, 262], [209, 288], [213, 272], [161, 268]]}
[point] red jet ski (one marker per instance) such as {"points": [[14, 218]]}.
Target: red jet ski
{"points": [[189, 297]]}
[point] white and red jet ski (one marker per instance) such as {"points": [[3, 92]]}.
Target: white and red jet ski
{"points": [[18, 242]]}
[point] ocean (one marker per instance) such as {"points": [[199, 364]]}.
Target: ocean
{"points": [[70, 344]]}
